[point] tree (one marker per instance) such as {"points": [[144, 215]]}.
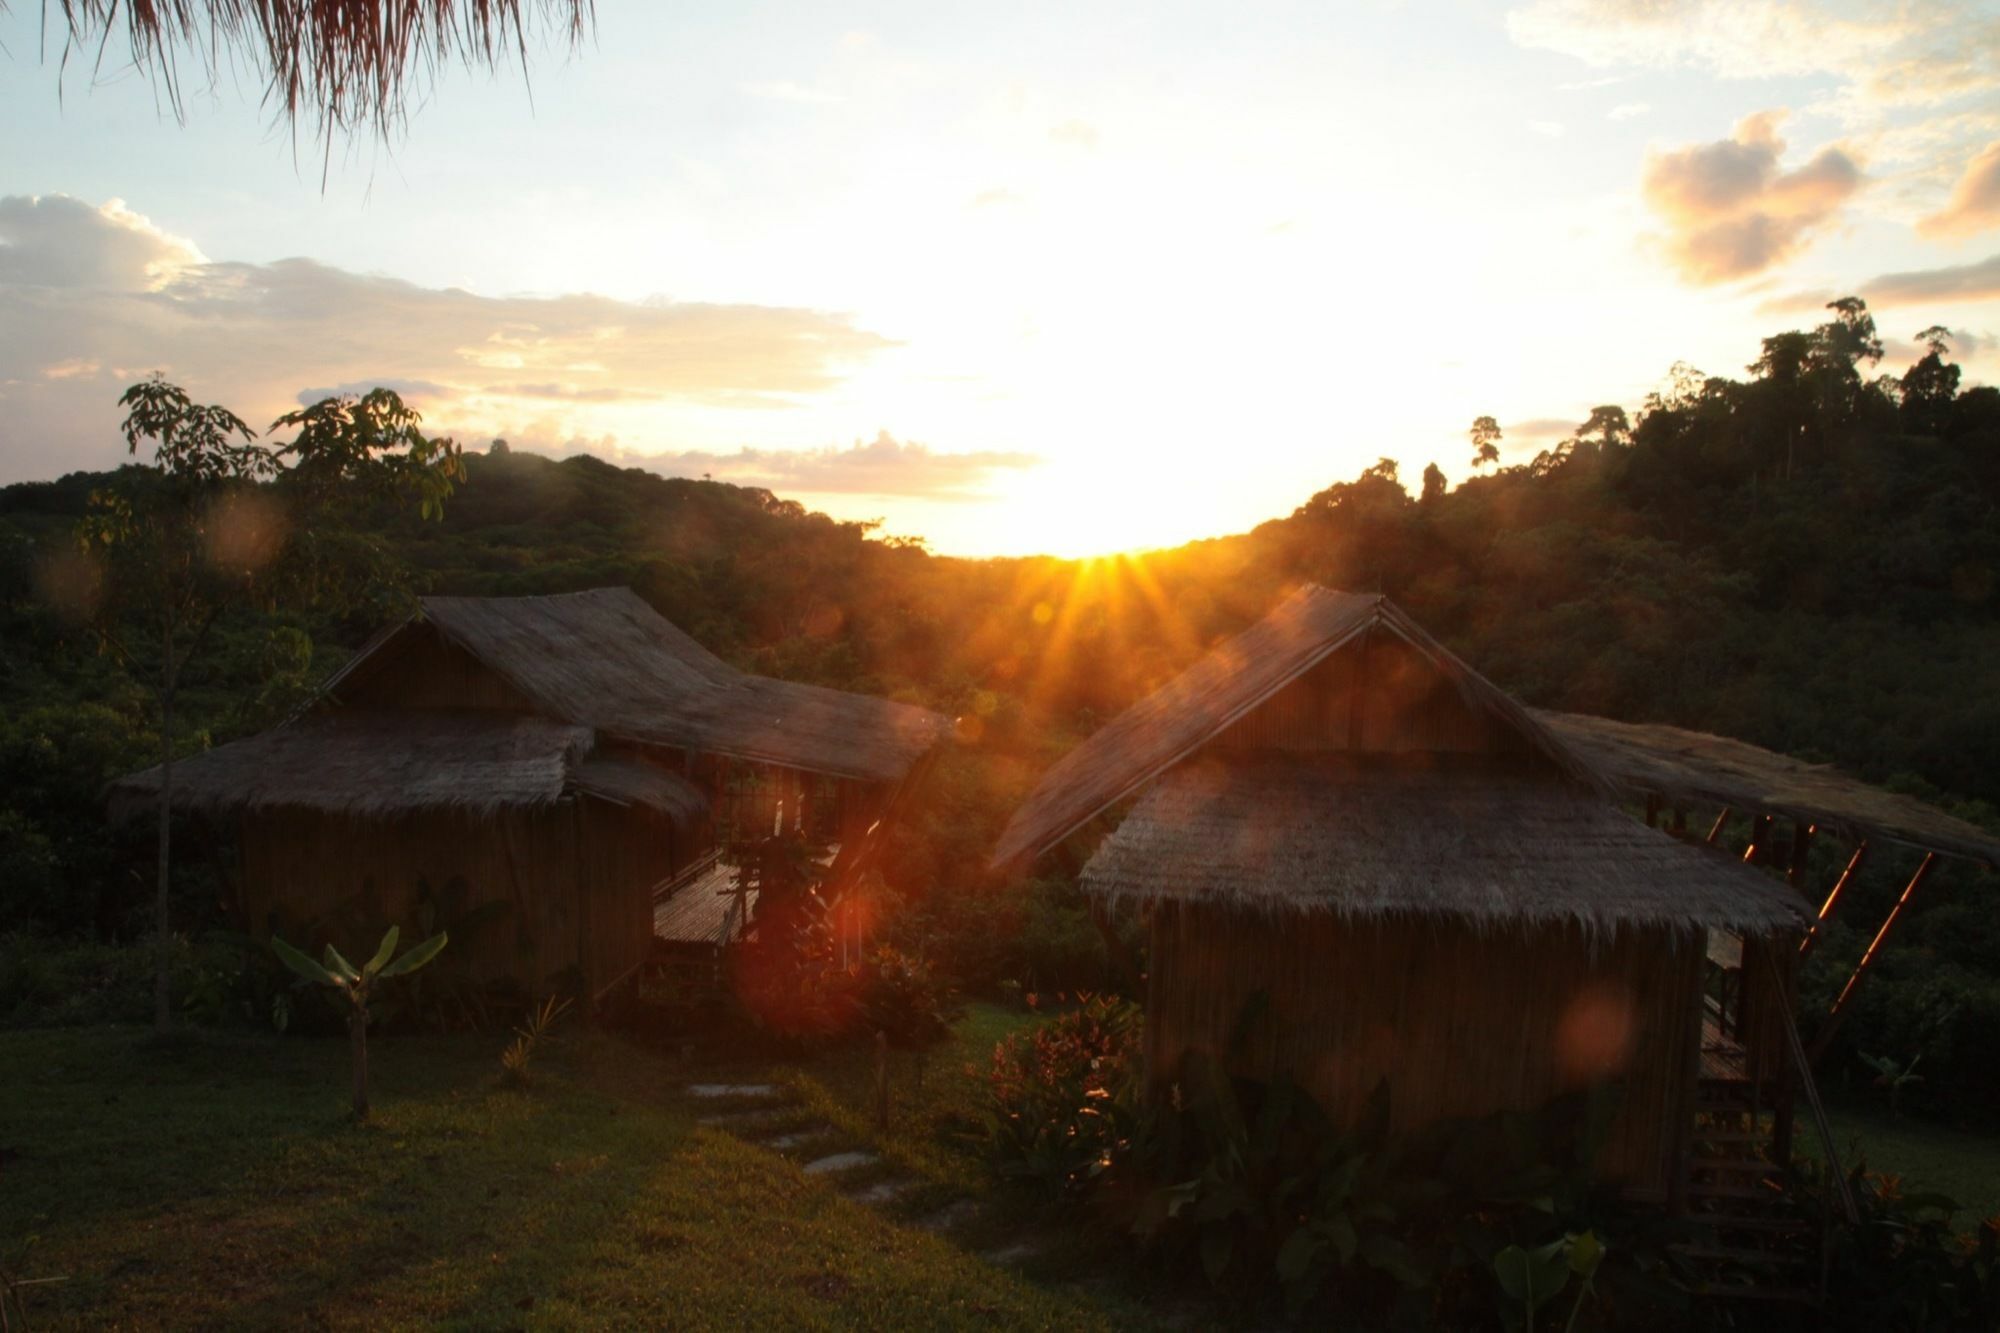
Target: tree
{"points": [[1606, 428], [355, 985], [1928, 387], [1485, 436], [1434, 484], [339, 63], [218, 521]]}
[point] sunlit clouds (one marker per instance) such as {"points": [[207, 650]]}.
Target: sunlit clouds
{"points": [[1732, 210], [1073, 281], [1974, 205]]}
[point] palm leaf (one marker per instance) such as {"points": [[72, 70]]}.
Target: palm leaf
{"points": [[383, 954], [416, 957], [339, 966], [302, 964]]}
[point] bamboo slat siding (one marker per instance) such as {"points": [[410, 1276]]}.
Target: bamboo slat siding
{"points": [[329, 877], [1461, 1022]]}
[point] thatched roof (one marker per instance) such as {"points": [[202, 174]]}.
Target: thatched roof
{"points": [[606, 659], [1686, 767], [1167, 726], [343, 65], [1389, 839], [370, 764]]}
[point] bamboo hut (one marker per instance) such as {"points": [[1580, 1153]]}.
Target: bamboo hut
{"points": [[1424, 881], [561, 767]]}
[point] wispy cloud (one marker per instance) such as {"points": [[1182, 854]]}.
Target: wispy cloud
{"points": [[1730, 207], [1075, 134], [1974, 205], [1628, 110], [883, 466], [83, 289]]}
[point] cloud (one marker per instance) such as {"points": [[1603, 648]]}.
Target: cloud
{"points": [[1075, 133], [1548, 129], [1539, 428], [1732, 211], [997, 197], [1884, 53], [83, 286], [1960, 282], [413, 392], [1628, 110], [1974, 205], [883, 466], [56, 241]]}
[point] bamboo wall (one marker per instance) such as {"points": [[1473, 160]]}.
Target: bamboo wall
{"points": [[577, 878], [1460, 1022]]}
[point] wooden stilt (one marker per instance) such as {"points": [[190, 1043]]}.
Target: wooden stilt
{"points": [[1802, 836], [1680, 825], [1652, 812], [1839, 887], [1759, 849], [1844, 1005]]}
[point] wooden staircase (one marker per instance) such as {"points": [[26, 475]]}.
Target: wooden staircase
{"points": [[1749, 1238]]}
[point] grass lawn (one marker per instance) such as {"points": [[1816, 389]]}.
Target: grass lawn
{"points": [[218, 1181], [1930, 1158]]}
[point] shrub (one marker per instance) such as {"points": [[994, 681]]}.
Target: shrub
{"points": [[906, 997], [1065, 1097], [1905, 1267]]}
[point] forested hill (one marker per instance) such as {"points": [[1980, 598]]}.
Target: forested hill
{"points": [[1803, 557]]}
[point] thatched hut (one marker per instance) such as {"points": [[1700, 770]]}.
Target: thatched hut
{"points": [[1423, 881], [554, 766]]}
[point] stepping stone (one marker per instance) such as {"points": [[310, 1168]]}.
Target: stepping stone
{"points": [[883, 1191], [749, 1119], [1009, 1255], [840, 1161], [787, 1142], [949, 1216], [732, 1090]]}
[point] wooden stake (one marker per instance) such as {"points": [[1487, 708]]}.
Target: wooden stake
{"points": [[1721, 823], [1839, 887], [1802, 836], [1842, 1006], [882, 1081]]}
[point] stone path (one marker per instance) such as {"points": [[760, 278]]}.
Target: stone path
{"points": [[768, 1116]]}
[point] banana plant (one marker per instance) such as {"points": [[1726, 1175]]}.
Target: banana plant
{"points": [[356, 984]]}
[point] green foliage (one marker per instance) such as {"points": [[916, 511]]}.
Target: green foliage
{"points": [[1904, 1267], [356, 985], [1065, 1097], [906, 997], [517, 1059], [1256, 1180]]}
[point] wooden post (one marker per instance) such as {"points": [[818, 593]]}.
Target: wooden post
{"points": [[1839, 887], [1680, 825], [882, 1081], [1652, 812], [1802, 836], [1721, 823], [1759, 849], [1844, 1005]]}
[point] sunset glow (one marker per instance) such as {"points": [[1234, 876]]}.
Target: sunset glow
{"points": [[1021, 282]]}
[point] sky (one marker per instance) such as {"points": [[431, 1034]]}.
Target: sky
{"points": [[1015, 279]]}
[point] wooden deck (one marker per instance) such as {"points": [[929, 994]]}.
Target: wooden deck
{"points": [[1721, 1055], [695, 909]]}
